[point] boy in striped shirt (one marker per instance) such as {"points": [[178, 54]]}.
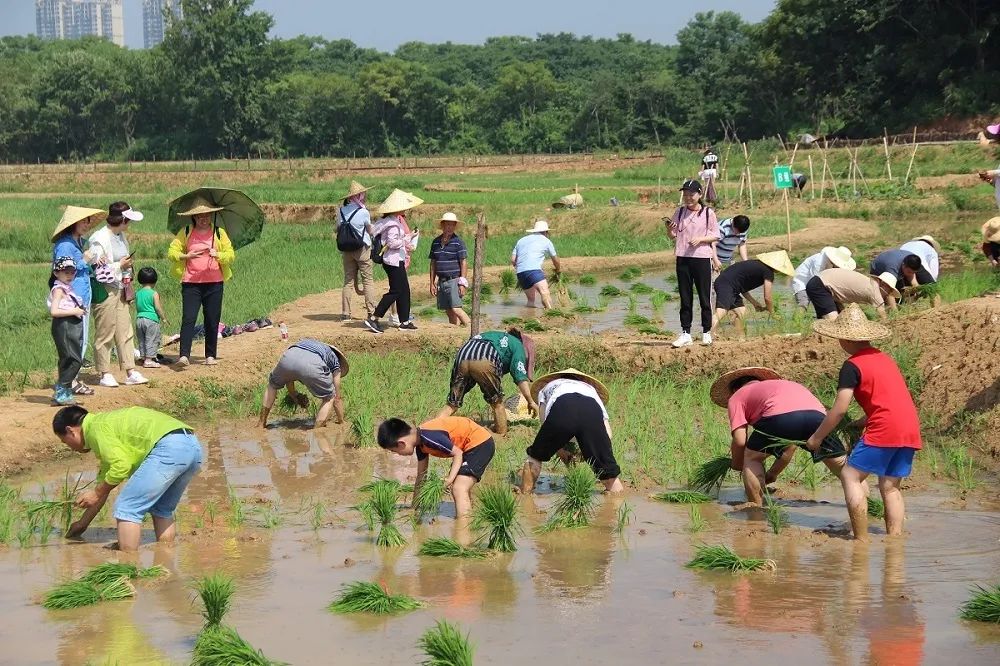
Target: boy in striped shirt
{"points": [[732, 236]]}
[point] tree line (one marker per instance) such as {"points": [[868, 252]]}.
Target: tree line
{"points": [[219, 85]]}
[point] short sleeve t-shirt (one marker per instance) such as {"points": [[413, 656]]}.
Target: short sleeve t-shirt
{"points": [[693, 224], [121, 439], [69, 301], [852, 287], [748, 275], [513, 358], [928, 255], [758, 400], [448, 257], [890, 261], [438, 437], [729, 240], [321, 349], [881, 391], [807, 270], [531, 252]]}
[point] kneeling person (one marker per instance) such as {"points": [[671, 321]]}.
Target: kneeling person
{"points": [[832, 289], [571, 406], [468, 444], [319, 367], [736, 282], [156, 453], [779, 411]]}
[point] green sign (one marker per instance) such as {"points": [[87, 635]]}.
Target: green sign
{"points": [[782, 177]]}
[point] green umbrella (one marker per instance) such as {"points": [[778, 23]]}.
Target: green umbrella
{"points": [[242, 219]]}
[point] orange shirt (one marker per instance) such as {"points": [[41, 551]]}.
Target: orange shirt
{"points": [[438, 437]]}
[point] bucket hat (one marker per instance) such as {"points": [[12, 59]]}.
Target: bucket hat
{"points": [[720, 392], [991, 230], [450, 217], [852, 324], [71, 216], [397, 202], [890, 281], [929, 240], [355, 188], [779, 261], [541, 226], [840, 257], [569, 373]]}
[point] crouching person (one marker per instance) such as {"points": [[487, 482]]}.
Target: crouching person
{"points": [[571, 406], [157, 454], [319, 367]]}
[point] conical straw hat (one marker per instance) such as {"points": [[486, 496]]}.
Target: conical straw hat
{"points": [[840, 257], [397, 202], [569, 373], [991, 230], [929, 239], [720, 392], [345, 367], [779, 261], [201, 208], [71, 216], [852, 324], [890, 280], [355, 188]]}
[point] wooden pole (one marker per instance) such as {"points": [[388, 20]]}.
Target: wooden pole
{"points": [[746, 157], [912, 155], [857, 166], [479, 259], [885, 146], [788, 220], [812, 190]]}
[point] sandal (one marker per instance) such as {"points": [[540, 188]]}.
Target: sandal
{"points": [[82, 389]]}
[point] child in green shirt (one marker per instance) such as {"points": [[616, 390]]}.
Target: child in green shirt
{"points": [[148, 317]]}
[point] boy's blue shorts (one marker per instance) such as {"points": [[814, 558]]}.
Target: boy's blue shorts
{"points": [[158, 483], [528, 279], [882, 460]]}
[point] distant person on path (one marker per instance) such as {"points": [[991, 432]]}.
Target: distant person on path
{"points": [[733, 234], [695, 230], [483, 361], [112, 316], [68, 312], [891, 433], [449, 271], [571, 405], [709, 174], [354, 241], [779, 411], [527, 258], [993, 178], [320, 368], [202, 257], [991, 241], [149, 317], [828, 257], [736, 282], [157, 454], [834, 288], [397, 242]]}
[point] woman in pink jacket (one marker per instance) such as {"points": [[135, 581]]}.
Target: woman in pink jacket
{"points": [[397, 243], [695, 229]]}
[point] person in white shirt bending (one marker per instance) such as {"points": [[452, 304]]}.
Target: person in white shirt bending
{"points": [[828, 257]]}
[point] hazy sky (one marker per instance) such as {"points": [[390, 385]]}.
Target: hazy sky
{"points": [[396, 21]]}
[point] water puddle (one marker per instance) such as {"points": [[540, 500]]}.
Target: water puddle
{"points": [[585, 596]]}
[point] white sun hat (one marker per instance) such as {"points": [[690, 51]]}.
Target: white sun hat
{"points": [[541, 226]]}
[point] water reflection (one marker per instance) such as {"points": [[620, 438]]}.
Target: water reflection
{"points": [[576, 563]]}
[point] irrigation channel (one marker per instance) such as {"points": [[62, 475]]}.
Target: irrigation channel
{"points": [[577, 596]]}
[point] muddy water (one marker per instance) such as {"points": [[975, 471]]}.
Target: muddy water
{"points": [[584, 596]]}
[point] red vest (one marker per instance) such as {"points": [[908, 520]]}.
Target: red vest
{"points": [[883, 394]]}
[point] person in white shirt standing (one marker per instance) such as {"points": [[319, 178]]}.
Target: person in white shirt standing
{"points": [[828, 257], [571, 406], [527, 258]]}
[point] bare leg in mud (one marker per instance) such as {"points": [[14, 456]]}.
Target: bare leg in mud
{"points": [[753, 476], [499, 419], [856, 497], [461, 492], [888, 486], [530, 471], [836, 466]]}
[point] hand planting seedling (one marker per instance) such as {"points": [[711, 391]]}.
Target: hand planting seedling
{"points": [[444, 547], [576, 507], [682, 497], [367, 597], [444, 645], [984, 606], [428, 496], [495, 515], [721, 557]]}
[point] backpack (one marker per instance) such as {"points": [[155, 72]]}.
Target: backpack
{"points": [[348, 238], [377, 249]]}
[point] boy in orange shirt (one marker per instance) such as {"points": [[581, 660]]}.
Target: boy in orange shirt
{"points": [[469, 445]]}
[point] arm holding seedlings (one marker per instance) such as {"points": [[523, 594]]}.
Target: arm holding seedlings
{"points": [[833, 418], [422, 464], [93, 501], [754, 303]]}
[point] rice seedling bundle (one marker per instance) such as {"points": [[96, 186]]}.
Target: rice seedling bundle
{"points": [[695, 522], [641, 288], [576, 508], [682, 497], [984, 606], [623, 518], [587, 279], [876, 508], [109, 571], [428, 496], [216, 592], [777, 516], [366, 597], [445, 547], [721, 557], [508, 280], [710, 475], [363, 428], [383, 501], [630, 273], [495, 515], [220, 645], [444, 645], [79, 593], [611, 290]]}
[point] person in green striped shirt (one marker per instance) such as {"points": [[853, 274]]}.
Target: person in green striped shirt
{"points": [[157, 454]]}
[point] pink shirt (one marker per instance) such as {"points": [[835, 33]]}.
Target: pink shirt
{"points": [[768, 398], [203, 268], [694, 224]]}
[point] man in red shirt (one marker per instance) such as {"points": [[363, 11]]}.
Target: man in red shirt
{"points": [[892, 426]]}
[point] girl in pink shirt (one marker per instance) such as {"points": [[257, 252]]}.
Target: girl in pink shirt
{"points": [[694, 228]]}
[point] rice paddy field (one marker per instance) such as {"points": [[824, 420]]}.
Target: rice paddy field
{"points": [[299, 545]]}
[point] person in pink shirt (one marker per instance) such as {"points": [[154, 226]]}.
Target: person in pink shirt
{"points": [[694, 228], [779, 411]]}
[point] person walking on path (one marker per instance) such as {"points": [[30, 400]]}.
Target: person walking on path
{"points": [[528, 257], [397, 242], [571, 405], [112, 316], [694, 229], [320, 368], [832, 289], [68, 312], [891, 434], [449, 270], [202, 257], [149, 317], [828, 257], [155, 453], [736, 282], [354, 241]]}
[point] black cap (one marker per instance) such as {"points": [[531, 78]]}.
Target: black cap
{"points": [[691, 185]]}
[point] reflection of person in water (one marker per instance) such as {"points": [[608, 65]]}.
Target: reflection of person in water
{"points": [[576, 564], [894, 627]]}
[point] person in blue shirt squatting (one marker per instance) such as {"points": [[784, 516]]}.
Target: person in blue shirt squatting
{"points": [[319, 367], [527, 259]]}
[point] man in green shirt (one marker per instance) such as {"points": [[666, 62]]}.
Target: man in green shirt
{"points": [[156, 453]]}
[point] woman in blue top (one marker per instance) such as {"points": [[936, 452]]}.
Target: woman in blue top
{"points": [[68, 241], [528, 256]]}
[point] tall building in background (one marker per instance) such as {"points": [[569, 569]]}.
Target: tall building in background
{"points": [[72, 19], [154, 25]]}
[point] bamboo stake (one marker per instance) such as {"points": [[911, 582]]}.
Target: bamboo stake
{"points": [[812, 190], [912, 155], [788, 220], [857, 166], [885, 146], [477, 271]]}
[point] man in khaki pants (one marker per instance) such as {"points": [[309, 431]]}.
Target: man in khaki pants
{"points": [[355, 245]]}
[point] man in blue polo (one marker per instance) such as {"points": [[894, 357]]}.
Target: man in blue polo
{"points": [[448, 271]]}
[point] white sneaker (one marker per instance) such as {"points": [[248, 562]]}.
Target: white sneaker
{"points": [[394, 321], [683, 341], [706, 339], [135, 378], [108, 381]]}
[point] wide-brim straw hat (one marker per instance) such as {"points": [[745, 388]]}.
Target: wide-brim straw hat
{"points": [[720, 392], [569, 373], [540, 227], [779, 261], [929, 239], [354, 189], [889, 279], [852, 324], [991, 230], [201, 208], [574, 200], [840, 257], [397, 202], [345, 367], [71, 216], [449, 217]]}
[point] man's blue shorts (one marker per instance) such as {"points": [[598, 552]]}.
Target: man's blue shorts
{"points": [[528, 279], [158, 483], [882, 460]]}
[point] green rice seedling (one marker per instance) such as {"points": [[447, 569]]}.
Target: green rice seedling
{"points": [[237, 514], [623, 518], [641, 288], [318, 515], [211, 509], [25, 533], [557, 313], [630, 273], [984, 606], [383, 501], [611, 290], [695, 521], [400, 487], [584, 309], [636, 320], [721, 557], [363, 429], [367, 515], [587, 279], [508, 280], [633, 304], [103, 574], [428, 496], [682, 497], [79, 593], [495, 515], [576, 508], [154, 571], [777, 516], [216, 592], [445, 547], [533, 326], [658, 298], [876, 508], [365, 597], [220, 645], [710, 475], [270, 516], [444, 645]]}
